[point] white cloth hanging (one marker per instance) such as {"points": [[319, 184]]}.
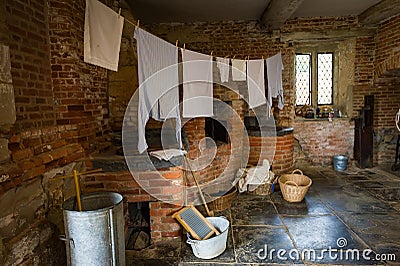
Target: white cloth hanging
{"points": [[223, 66], [274, 76], [102, 35], [238, 70], [197, 84], [256, 82], [158, 83]]}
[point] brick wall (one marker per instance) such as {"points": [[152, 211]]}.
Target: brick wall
{"points": [[283, 160], [321, 140], [80, 89], [30, 62], [377, 65], [61, 117]]}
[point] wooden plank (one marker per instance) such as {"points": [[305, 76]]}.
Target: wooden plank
{"points": [[334, 34], [277, 12], [381, 11]]}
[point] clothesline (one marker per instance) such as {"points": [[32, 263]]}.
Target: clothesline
{"points": [[247, 58]]}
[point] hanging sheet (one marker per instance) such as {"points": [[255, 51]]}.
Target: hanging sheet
{"points": [[158, 83], [197, 84], [102, 35]]}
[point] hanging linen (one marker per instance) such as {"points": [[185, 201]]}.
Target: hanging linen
{"points": [[238, 70], [102, 35], [274, 76], [223, 66], [197, 84], [256, 82], [158, 83]]}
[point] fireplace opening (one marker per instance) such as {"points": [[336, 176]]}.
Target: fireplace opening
{"points": [[216, 129], [138, 236]]}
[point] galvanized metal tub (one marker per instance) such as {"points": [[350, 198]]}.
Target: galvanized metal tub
{"points": [[95, 236], [214, 246]]}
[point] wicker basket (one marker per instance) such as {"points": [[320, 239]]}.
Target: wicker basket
{"points": [[264, 188], [294, 186], [224, 202]]}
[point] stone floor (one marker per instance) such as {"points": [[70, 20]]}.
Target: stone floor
{"points": [[345, 213]]}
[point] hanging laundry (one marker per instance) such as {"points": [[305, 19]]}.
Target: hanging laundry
{"points": [[256, 82], [102, 36], [223, 66], [274, 75], [238, 70], [158, 83], [197, 84]]}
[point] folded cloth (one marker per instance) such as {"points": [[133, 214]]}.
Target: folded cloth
{"points": [[256, 82], [238, 69], [102, 35], [197, 84], [158, 83], [274, 76], [223, 66], [167, 154]]}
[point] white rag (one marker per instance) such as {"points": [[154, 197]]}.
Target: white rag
{"points": [[102, 36], [256, 82], [197, 84], [167, 154], [274, 76], [223, 66], [238, 69], [158, 83]]}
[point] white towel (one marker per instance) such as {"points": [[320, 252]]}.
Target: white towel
{"points": [[238, 69], [102, 36], [223, 66], [158, 83], [167, 154], [274, 76], [197, 84], [255, 82]]}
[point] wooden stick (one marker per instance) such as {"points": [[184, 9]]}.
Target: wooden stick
{"points": [[78, 191]]}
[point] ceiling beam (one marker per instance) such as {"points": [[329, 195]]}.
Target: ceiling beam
{"points": [[321, 35], [382, 10], [277, 12]]}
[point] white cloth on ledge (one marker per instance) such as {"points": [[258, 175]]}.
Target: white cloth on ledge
{"points": [[167, 154]]}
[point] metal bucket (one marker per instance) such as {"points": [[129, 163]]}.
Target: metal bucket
{"points": [[340, 162], [212, 247], [95, 236]]}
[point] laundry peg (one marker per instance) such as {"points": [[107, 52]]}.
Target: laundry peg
{"points": [[138, 22], [119, 12], [184, 46], [176, 43], [212, 51]]}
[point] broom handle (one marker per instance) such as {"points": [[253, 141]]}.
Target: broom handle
{"points": [[197, 184]]}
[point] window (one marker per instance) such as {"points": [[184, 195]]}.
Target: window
{"points": [[314, 78]]}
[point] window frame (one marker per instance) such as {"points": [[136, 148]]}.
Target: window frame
{"points": [[313, 52]]}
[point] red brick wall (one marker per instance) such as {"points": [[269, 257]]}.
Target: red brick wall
{"points": [[376, 58], [388, 39], [30, 62], [321, 140], [61, 118], [283, 160], [80, 89]]}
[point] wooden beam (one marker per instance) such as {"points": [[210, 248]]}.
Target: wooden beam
{"points": [[277, 12], [321, 35], [382, 10]]}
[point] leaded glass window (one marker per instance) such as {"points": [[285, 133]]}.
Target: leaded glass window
{"points": [[325, 78], [303, 79]]}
